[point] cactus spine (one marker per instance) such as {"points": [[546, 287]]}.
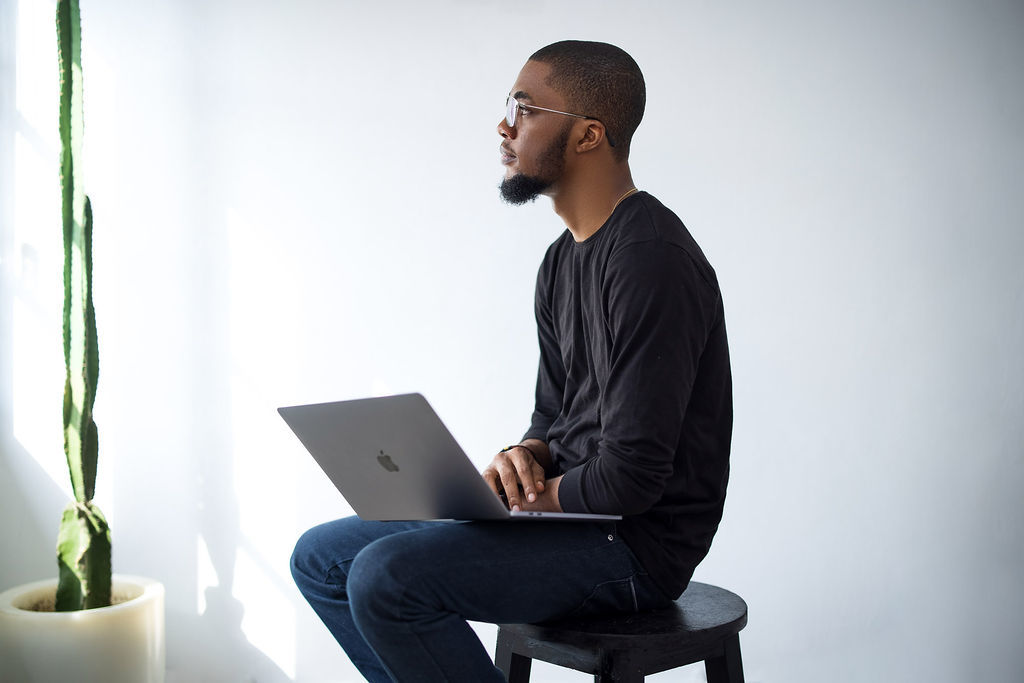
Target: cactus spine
{"points": [[83, 544]]}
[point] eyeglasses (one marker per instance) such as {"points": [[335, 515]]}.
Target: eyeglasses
{"points": [[512, 107]]}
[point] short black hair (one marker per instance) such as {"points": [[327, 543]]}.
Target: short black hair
{"points": [[600, 81]]}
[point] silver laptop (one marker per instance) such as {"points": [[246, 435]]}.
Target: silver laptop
{"points": [[393, 459]]}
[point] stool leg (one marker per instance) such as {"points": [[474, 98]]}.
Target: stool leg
{"points": [[619, 667], [516, 667], [728, 668]]}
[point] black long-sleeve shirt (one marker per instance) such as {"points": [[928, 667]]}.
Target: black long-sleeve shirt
{"points": [[634, 389]]}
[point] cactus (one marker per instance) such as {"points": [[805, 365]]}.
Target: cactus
{"points": [[83, 545]]}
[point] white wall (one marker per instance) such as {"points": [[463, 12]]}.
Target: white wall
{"points": [[297, 202]]}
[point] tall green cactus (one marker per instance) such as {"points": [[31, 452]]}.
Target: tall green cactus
{"points": [[83, 544]]}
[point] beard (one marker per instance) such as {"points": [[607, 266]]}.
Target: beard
{"points": [[522, 188]]}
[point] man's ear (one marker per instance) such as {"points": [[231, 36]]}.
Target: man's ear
{"points": [[592, 135]]}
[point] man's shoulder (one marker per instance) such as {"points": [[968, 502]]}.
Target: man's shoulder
{"points": [[647, 219], [647, 228]]}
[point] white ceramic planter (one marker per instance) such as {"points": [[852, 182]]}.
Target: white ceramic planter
{"points": [[123, 643]]}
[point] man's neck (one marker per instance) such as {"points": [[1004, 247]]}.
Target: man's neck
{"points": [[585, 203]]}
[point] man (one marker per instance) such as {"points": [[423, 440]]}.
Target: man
{"points": [[633, 411]]}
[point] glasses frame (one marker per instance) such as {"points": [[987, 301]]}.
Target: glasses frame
{"points": [[512, 107]]}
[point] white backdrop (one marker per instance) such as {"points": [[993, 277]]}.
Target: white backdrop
{"points": [[297, 202]]}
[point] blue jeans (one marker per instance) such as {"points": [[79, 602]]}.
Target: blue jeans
{"points": [[397, 595]]}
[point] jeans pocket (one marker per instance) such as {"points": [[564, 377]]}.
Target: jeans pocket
{"points": [[618, 595]]}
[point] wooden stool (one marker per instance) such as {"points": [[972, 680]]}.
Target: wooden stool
{"points": [[703, 625]]}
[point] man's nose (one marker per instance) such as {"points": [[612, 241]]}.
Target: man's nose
{"points": [[505, 130]]}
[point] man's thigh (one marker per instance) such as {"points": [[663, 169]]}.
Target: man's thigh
{"points": [[325, 551], [507, 571]]}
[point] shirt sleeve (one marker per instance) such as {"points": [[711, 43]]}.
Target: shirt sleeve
{"points": [[659, 311]]}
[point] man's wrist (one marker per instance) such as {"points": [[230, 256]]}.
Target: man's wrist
{"points": [[540, 451], [524, 447]]}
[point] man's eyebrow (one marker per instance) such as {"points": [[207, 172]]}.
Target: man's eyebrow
{"points": [[520, 95]]}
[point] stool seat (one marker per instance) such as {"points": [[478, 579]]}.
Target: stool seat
{"points": [[702, 625]]}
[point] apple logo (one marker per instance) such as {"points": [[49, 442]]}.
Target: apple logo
{"points": [[386, 462]]}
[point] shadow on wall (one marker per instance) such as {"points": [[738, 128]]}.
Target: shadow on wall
{"points": [[27, 497], [209, 644], [212, 647]]}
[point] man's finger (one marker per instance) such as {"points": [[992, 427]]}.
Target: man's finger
{"points": [[526, 471], [538, 474], [510, 483]]}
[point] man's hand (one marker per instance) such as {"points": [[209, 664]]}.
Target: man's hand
{"points": [[516, 473]]}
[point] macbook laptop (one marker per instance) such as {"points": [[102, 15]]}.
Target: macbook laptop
{"points": [[393, 459]]}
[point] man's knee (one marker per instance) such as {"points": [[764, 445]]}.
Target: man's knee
{"points": [[303, 559], [379, 581], [319, 556]]}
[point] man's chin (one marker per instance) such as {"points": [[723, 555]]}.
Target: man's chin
{"points": [[519, 189]]}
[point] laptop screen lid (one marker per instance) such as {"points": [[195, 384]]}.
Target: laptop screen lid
{"points": [[392, 458]]}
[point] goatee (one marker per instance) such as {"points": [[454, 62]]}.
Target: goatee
{"points": [[520, 188]]}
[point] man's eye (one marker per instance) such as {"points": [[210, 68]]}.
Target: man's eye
{"points": [[523, 111]]}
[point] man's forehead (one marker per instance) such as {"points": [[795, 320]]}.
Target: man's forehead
{"points": [[532, 82]]}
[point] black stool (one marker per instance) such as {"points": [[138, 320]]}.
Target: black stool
{"points": [[703, 625]]}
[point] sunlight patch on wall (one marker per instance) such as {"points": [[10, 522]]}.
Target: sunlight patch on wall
{"points": [[38, 366], [262, 334], [37, 85], [206, 574], [268, 613]]}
